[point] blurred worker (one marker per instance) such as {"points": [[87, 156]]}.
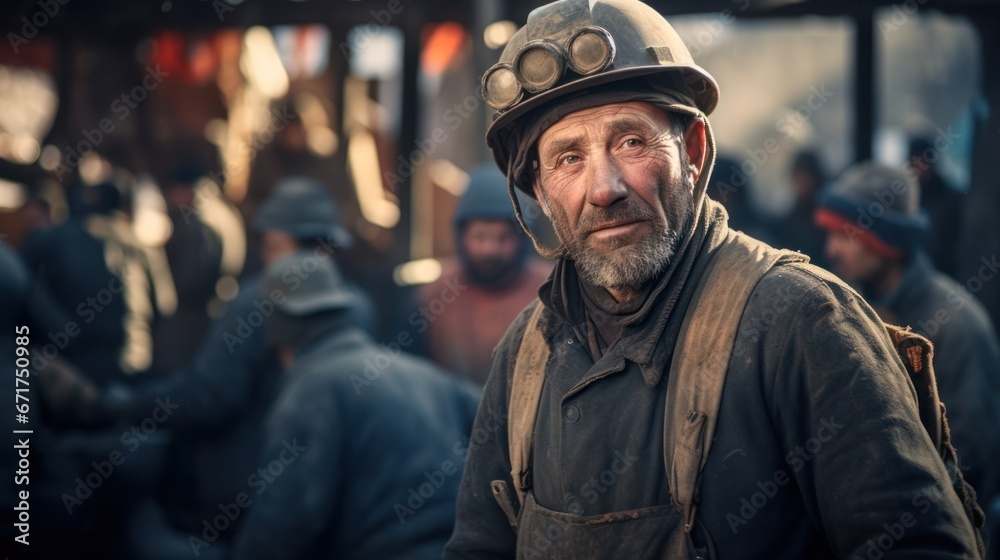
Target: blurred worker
{"points": [[287, 223], [942, 202], [221, 400], [102, 278], [880, 253], [479, 294], [301, 147], [678, 390], [796, 231], [107, 293], [194, 253], [366, 444]]}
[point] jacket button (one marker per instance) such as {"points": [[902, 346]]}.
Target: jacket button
{"points": [[572, 414]]}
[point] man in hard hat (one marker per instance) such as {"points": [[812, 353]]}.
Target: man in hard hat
{"points": [[479, 294], [679, 390], [874, 227], [365, 447]]}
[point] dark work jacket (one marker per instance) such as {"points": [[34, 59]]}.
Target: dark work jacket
{"points": [[221, 402], [84, 275], [368, 444], [966, 362], [818, 450]]}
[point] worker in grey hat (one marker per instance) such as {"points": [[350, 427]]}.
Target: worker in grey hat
{"points": [[365, 446], [679, 390], [218, 404], [874, 229], [300, 212], [301, 215]]}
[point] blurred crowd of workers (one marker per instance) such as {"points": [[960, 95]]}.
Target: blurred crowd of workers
{"points": [[294, 426]]}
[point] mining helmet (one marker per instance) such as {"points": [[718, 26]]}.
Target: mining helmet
{"points": [[572, 45], [578, 54]]}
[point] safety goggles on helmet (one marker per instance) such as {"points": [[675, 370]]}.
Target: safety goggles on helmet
{"points": [[541, 64]]}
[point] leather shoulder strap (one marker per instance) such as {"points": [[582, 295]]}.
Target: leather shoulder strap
{"points": [[526, 391], [701, 360]]}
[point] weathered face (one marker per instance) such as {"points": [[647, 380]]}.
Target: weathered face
{"points": [[618, 186], [491, 247], [851, 259], [278, 244]]}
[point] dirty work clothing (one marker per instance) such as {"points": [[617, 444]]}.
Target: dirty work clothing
{"points": [[819, 450], [966, 358], [365, 448]]}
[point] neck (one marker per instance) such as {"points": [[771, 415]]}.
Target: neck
{"points": [[626, 294], [886, 279]]}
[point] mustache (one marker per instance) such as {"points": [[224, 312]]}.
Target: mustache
{"points": [[630, 210]]}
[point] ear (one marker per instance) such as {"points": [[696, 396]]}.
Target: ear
{"points": [[696, 145], [536, 186]]}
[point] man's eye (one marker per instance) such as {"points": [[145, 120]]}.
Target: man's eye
{"points": [[570, 159], [633, 143]]}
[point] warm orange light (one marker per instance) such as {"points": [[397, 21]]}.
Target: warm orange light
{"points": [[442, 46]]}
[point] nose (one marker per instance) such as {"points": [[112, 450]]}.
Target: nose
{"points": [[492, 247], [607, 182], [831, 249]]}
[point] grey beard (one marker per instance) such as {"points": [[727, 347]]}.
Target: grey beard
{"points": [[632, 267], [628, 268]]}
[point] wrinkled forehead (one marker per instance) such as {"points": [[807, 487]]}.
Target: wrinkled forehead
{"points": [[609, 117]]}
